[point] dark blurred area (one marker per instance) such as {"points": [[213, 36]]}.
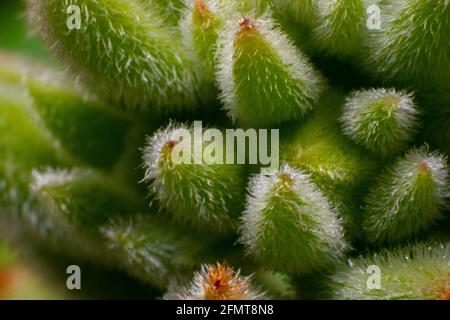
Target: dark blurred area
{"points": [[14, 35]]}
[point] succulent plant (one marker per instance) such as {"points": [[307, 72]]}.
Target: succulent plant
{"points": [[408, 198], [101, 158], [383, 121], [417, 272]]}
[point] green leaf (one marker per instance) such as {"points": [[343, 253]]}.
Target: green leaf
{"points": [[124, 51], [304, 12], [201, 26], [416, 272], [83, 197], [382, 120], [408, 198], [340, 28], [199, 189], [412, 47], [263, 78], [169, 10], [340, 169], [89, 130], [122, 234], [289, 225], [25, 145]]}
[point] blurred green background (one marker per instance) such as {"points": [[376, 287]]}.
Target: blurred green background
{"points": [[26, 272], [14, 34], [17, 281]]}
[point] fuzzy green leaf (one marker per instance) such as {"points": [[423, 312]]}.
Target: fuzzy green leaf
{"points": [[124, 51], [412, 47], [264, 79], [86, 128], [408, 198], [198, 190], [201, 27], [289, 225], [108, 213], [304, 12], [384, 121], [418, 272], [340, 26], [338, 168]]}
